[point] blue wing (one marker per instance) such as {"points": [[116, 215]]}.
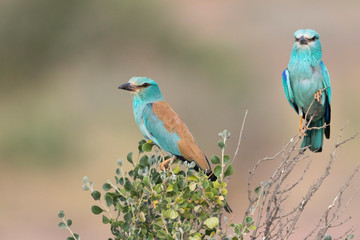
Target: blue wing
{"points": [[288, 91], [158, 133], [326, 84]]}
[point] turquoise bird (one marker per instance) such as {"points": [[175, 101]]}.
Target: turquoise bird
{"points": [[306, 84], [159, 123]]}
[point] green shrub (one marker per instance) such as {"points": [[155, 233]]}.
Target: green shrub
{"points": [[179, 203]]}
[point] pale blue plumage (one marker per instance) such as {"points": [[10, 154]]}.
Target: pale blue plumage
{"points": [[158, 133], [305, 75], [149, 124], [160, 124]]}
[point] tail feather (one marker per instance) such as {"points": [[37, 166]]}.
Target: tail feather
{"points": [[315, 137], [327, 117]]}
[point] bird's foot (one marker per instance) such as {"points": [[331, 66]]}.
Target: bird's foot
{"points": [[317, 96], [302, 129], [166, 164]]}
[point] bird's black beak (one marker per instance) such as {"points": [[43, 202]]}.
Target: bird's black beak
{"points": [[303, 40], [128, 87]]}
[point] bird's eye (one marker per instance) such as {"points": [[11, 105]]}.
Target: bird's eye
{"points": [[297, 39], [312, 39], [145, 85]]}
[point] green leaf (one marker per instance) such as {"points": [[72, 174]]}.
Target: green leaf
{"points": [[106, 186], [69, 222], [96, 195], [76, 236], [192, 186], [221, 144], [166, 213], [176, 170], [109, 200], [212, 222], [238, 228], [143, 141], [61, 214], [70, 238], [192, 178], [127, 185], [226, 159], [217, 171], [257, 189], [197, 208], [147, 147], [96, 210], [229, 171], [84, 187], [173, 214], [215, 159], [128, 216], [85, 179], [146, 181], [142, 217], [62, 225], [105, 220], [205, 183], [169, 188], [224, 134], [249, 220], [196, 236], [161, 234], [120, 162], [144, 161], [252, 227], [129, 158], [327, 237]]}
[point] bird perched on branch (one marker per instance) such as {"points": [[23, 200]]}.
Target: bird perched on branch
{"points": [[159, 123], [306, 84]]}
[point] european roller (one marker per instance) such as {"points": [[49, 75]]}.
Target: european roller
{"points": [[159, 123], [306, 84]]}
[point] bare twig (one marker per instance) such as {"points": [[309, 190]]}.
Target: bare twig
{"points": [[240, 137], [267, 206]]}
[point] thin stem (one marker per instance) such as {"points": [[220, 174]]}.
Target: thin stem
{"points": [[68, 228]]}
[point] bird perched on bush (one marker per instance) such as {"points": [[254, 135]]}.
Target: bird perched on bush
{"points": [[159, 123], [306, 84]]}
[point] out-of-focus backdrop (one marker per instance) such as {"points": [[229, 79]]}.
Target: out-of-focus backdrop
{"points": [[62, 116]]}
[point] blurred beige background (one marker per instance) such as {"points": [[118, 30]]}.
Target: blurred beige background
{"points": [[62, 116]]}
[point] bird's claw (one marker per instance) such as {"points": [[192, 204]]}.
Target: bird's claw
{"points": [[317, 96], [165, 164], [302, 131]]}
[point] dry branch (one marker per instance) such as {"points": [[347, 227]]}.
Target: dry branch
{"points": [[266, 204]]}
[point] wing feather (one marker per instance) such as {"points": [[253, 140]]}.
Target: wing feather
{"points": [[288, 90], [326, 84], [171, 133]]}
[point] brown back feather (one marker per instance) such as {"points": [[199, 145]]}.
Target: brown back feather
{"points": [[173, 123]]}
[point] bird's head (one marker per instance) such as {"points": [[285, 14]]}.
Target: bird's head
{"points": [[307, 39], [306, 49], [143, 89]]}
